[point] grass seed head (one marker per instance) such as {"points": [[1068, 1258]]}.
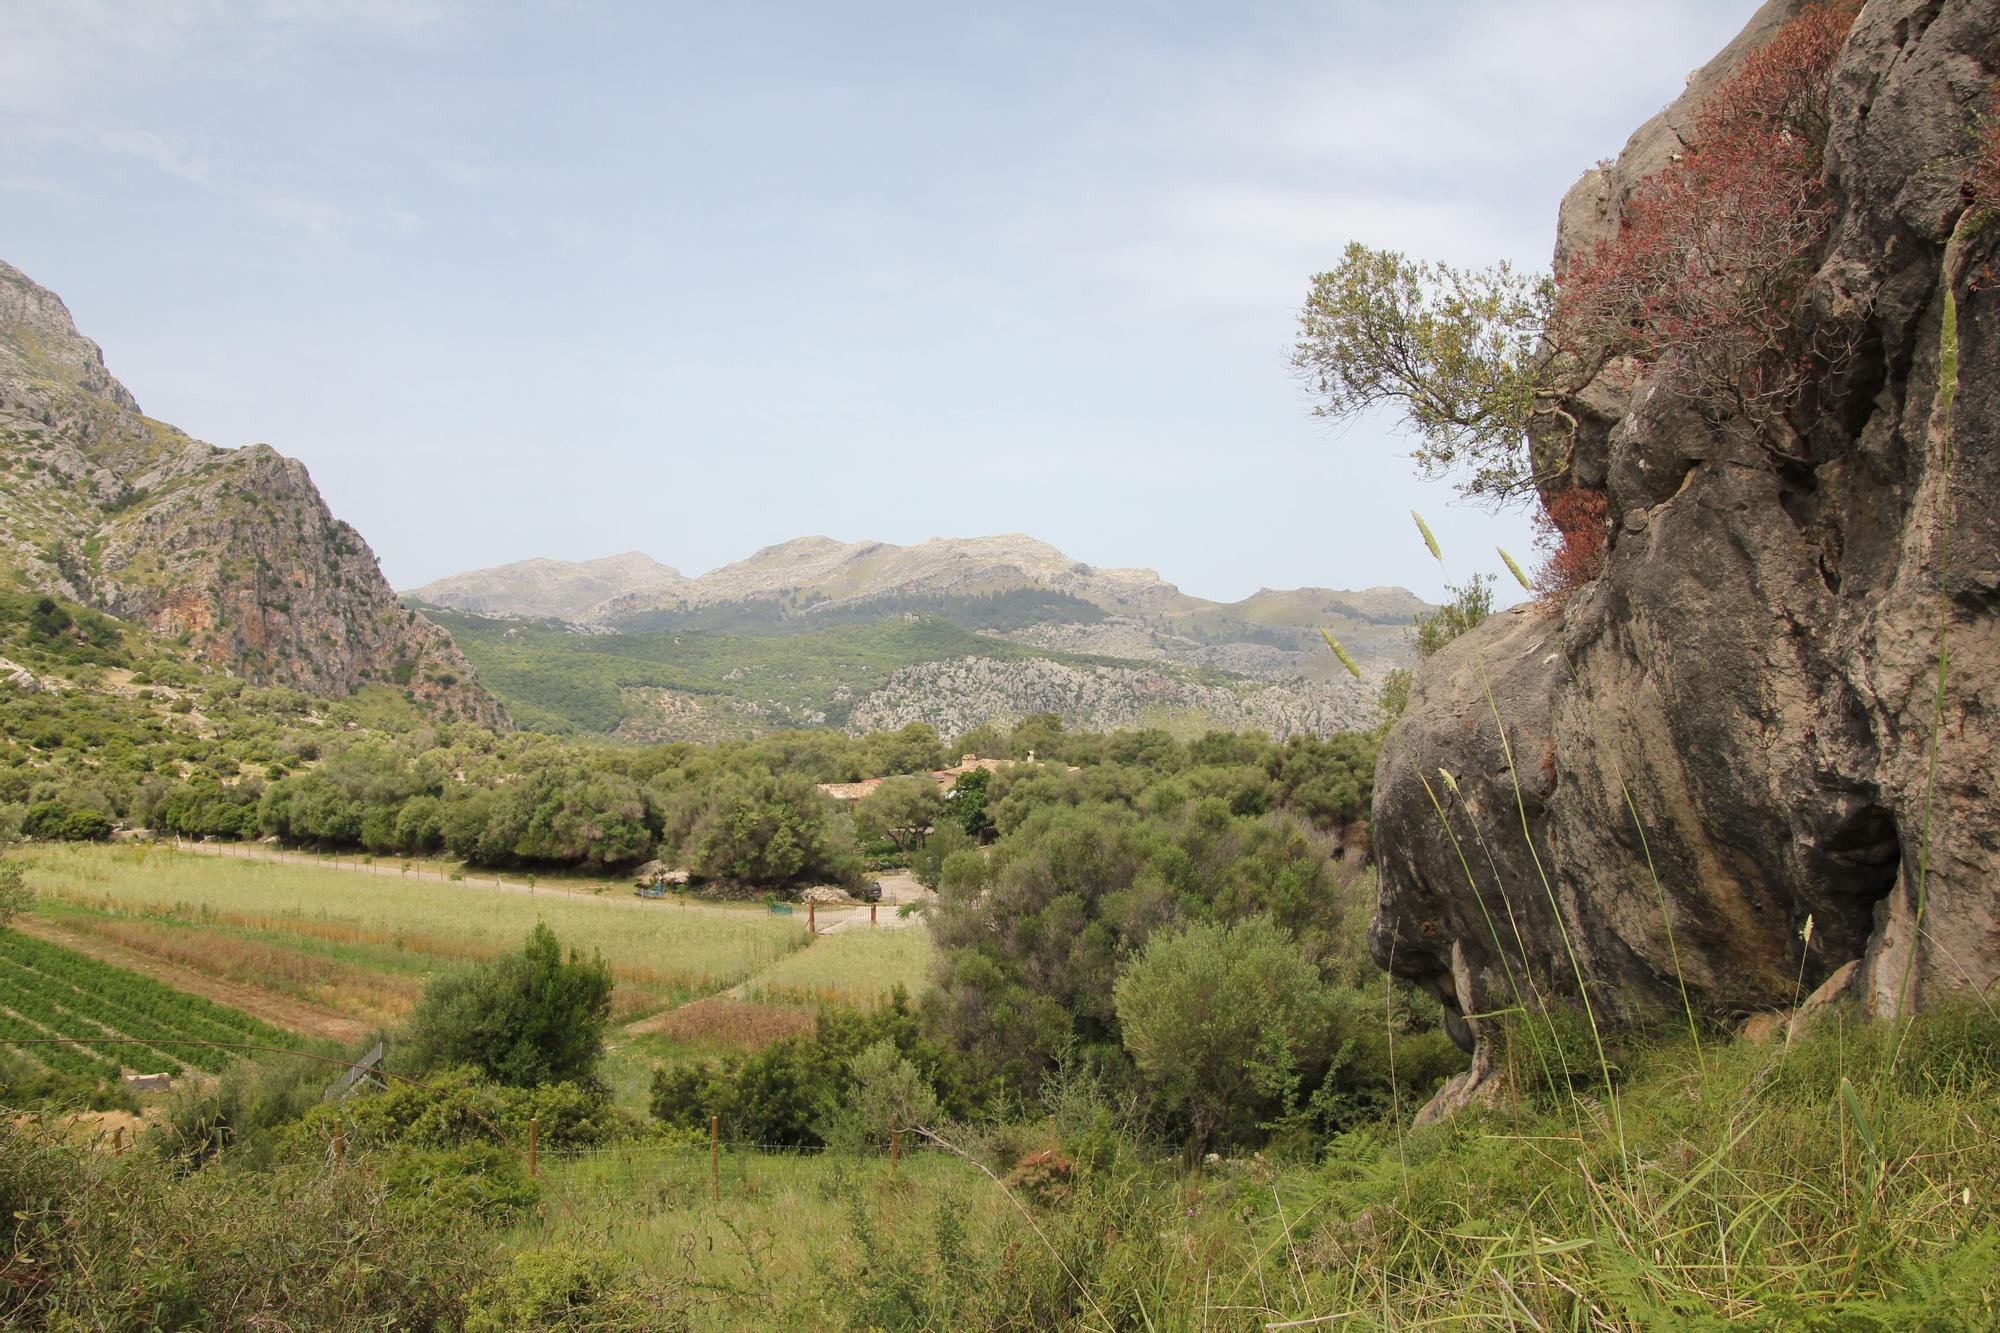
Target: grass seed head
{"points": [[1430, 542], [1341, 653]]}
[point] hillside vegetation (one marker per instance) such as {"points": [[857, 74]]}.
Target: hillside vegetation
{"points": [[1099, 648], [909, 666]]}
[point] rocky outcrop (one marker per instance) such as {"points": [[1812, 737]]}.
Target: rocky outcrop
{"points": [[231, 548], [17, 677], [1743, 725], [958, 695]]}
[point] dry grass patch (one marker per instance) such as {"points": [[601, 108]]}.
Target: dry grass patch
{"points": [[344, 987], [729, 1024], [652, 946]]}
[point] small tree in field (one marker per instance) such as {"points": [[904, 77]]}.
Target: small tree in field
{"points": [[522, 1019], [15, 896]]}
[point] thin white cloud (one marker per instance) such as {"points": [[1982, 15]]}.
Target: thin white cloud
{"points": [[22, 183], [55, 53], [1267, 168]]}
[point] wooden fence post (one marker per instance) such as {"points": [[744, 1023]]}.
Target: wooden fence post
{"points": [[715, 1159], [812, 918], [871, 916], [534, 1126]]}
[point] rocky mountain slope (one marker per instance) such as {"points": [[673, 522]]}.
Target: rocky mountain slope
{"points": [[953, 632], [232, 548], [1759, 664], [580, 591]]}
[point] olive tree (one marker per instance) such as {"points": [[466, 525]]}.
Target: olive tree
{"points": [[1455, 350], [900, 809]]}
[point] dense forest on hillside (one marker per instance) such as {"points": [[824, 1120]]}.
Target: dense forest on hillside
{"points": [[1011, 609], [146, 739], [568, 682]]}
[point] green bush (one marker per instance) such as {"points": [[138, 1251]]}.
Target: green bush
{"points": [[522, 1019], [15, 895], [567, 1288], [1221, 1021], [457, 1108], [52, 821], [852, 1076], [97, 1241]]}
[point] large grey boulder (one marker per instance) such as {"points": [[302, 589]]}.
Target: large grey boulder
{"points": [[1731, 730]]}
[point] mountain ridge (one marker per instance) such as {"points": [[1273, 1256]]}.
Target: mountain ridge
{"points": [[953, 632], [571, 590], [816, 571]]}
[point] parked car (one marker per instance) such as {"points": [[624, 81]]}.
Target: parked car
{"points": [[870, 891]]}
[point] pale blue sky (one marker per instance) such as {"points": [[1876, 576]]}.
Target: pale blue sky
{"points": [[571, 278]]}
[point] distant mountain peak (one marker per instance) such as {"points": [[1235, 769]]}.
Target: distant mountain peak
{"points": [[572, 590]]}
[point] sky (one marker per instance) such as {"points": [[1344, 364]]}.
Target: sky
{"points": [[568, 278]]}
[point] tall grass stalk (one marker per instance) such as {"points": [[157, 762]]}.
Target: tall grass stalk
{"points": [[1638, 827], [1541, 871], [1500, 886]]}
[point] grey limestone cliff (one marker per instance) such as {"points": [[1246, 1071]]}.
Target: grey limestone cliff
{"points": [[1758, 665]]}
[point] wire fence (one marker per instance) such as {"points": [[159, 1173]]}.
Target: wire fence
{"points": [[673, 1172]]}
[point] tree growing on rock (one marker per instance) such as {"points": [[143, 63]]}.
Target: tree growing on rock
{"points": [[1453, 349], [1703, 284], [1469, 604]]}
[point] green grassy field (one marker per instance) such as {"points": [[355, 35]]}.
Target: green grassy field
{"points": [[1845, 1181], [855, 967], [409, 927], [786, 1240]]}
